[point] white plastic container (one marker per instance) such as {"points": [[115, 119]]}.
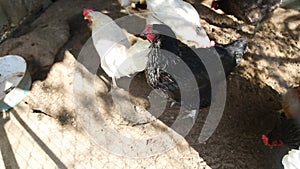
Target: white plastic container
{"points": [[15, 81]]}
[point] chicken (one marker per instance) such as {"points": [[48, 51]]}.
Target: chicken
{"points": [[182, 18], [118, 58], [287, 130], [177, 69], [253, 12], [292, 159]]}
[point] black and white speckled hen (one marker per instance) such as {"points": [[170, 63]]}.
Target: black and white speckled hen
{"points": [[253, 12], [173, 66]]}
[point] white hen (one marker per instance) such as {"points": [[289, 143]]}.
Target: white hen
{"points": [[182, 18], [292, 160], [118, 58]]}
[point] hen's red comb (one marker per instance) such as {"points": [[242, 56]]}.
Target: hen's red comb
{"points": [[87, 11], [149, 32], [147, 28], [274, 143], [265, 140]]}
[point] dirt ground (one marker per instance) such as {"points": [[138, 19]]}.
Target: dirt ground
{"points": [[271, 65]]}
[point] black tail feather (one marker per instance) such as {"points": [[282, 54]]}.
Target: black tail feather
{"points": [[231, 54], [237, 49]]}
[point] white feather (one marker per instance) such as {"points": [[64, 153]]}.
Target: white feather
{"points": [[118, 57], [292, 160], [181, 17], [136, 54]]}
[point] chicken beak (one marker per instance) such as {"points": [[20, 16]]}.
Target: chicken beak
{"points": [[88, 18]]}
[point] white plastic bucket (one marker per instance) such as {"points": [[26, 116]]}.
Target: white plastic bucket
{"points": [[15, 81]]}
